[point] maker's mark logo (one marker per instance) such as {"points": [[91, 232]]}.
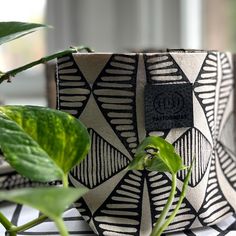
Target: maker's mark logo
{"points": [[168, 106], [168, 102]]}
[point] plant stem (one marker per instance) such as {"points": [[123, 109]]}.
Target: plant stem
{"points": [[28, 225], [5, 222], [166, 207], [181, 198], [65, 181], [11, 233], [11, 73], [61, 227]]}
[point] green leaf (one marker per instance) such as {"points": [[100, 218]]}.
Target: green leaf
{"points": [[24, 154], [13, 30], [156, 154], [38, 141], [51, 201]]}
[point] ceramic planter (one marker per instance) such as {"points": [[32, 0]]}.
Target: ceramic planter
{"points": [[185, 97]]}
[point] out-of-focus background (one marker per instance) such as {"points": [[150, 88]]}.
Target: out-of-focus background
{"points": [[109, 25]]}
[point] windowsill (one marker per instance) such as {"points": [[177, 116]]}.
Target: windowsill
{"points": [[36, 101]]}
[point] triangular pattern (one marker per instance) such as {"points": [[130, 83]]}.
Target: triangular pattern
{"points": [[73, 89], [159, 186], [225, 88], [190, 63], [162, 68], [90, 66], [215, 207], [115, 92], [102, 162], [83, 209], [193, 144], [227, 163], [205, 88], [120, 213]]}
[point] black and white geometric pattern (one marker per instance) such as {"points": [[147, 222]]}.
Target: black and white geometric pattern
{"points": [[74, 89], [111, 162], [77, 226], [110, 89]]}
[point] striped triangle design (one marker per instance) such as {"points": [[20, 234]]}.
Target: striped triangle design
{"points": [[73, 89], [162, 68], [205, 88], [102, 162], [120, 213], [159, 186], [215, 207], [226, 87], [227, 163], [114, 91], [193, 144], [83, 209]]}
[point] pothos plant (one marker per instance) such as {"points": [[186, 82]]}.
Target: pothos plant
{"points": [[157, 154], [43, 145], [13, 30]]}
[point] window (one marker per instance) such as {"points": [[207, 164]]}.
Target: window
{"points": [[27, 87], [109, 25]]}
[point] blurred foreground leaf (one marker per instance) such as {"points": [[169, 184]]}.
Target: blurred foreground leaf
{"points": [[52, 201]]}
